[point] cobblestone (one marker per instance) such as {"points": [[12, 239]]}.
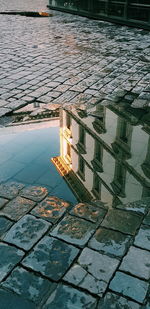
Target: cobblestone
{"points": [[46, 271]]}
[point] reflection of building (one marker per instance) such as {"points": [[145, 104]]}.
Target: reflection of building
{"points": [[105, 156], [131, 12]]}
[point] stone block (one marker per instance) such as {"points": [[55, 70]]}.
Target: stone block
{"points": [[34, 193], [51, 209], [129, 286], [3, 201], [139, 207], [74, 230], [14, 301], [110, 242], [78, 276], [137, 262], [51, 257], [142, 239], [26, 232], [89, 212], [10, 190], [28, 285], [112, 301], [122, 221], [16, 208], [66, 297], [5, 224], [147, 219], [9, 257]]}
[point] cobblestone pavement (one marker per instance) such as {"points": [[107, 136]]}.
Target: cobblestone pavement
{"points": [[55, 255], [70, 59]]}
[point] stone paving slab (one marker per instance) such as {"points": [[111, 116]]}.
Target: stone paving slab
{"points": [[74, 230], [3, 201], [14, 301], [129, 286], [10, 257], [140, 207], [26, 232], [5, 224], [110, 242], [10, 190], [29, 285], [89, 212], [141, 268], [142, 239], [34, 193], [111, 301], [51, 257], [66, 297], [17, 207], [51, 209], [122, 221], [147, 219]]}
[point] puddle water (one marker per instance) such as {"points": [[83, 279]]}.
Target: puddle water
{"points": [[101, 153]]}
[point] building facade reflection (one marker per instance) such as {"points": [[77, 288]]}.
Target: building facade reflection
{"points": [[105, 156]]}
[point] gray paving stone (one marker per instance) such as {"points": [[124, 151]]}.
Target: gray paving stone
{"points": [[147, 219], [140, 268], [129, 286], [16, 208], [3, 201], [142, 239], [34, 193], [74, 230], [51, 209], [122, 221], [110, 242], [66, 297], [26, 232], [10, 189], [78, 276], [5, 224], [89, 212], [4, 111], [14, 301], [113, 301], [140, 207], [28, 285], [9, 257], [51, 257], [100, 266]]}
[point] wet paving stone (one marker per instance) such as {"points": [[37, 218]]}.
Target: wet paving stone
{"points": [[92, 272], [3, 201], [51, 257], [140, 268], [10, 257], [147, 219], [66, 297], [34, 193], [122, 221], [16, 208], [110, 242], [28, 285], [129, 286], [14, 301], [5, 224], [74, 230], [142, 239], [26, 232], [140, 207], [89, 212], [78, 276], [51, 209], [10, 190], [113, 301]]}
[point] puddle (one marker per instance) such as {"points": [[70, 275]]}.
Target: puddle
{"points": [[101, 153]]}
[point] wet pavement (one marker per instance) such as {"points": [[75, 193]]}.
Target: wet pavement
{"points": [[74, 178]]}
